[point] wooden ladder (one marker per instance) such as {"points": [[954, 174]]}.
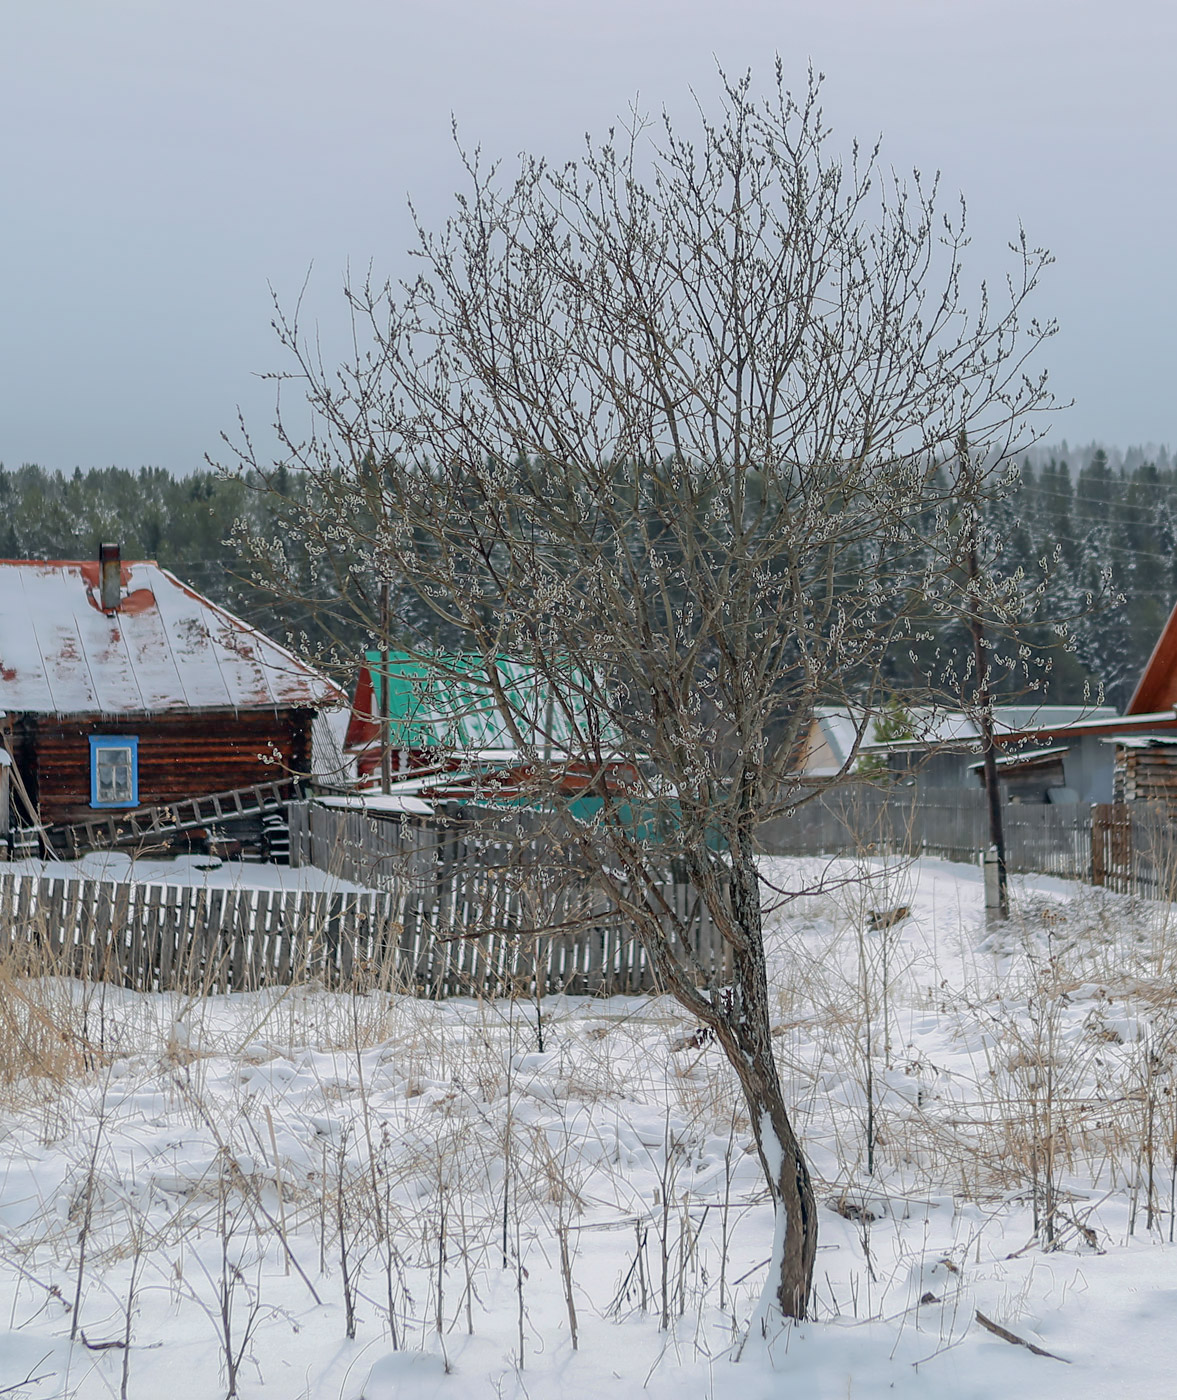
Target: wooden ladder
{"points": [[149, 824]]}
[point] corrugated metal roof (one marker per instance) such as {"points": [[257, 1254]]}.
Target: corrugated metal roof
{"points": [[450, 704], [165, 649], [329, 762], [953, 728]]}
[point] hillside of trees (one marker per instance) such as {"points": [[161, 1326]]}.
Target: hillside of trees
{"points": [[1079, 516], [185, 523]]}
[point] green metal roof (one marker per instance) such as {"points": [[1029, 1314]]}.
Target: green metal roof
{"points": [[450, 703]]}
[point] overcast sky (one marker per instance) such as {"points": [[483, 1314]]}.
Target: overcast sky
{"points": [[161, 163]]}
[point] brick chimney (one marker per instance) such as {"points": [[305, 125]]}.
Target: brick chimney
{"points": [[110, 575]]}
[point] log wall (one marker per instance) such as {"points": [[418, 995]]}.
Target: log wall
{"points": [[180, 755], [1147, 774]]}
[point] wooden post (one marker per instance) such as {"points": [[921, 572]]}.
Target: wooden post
{"points": [[991, 869]]}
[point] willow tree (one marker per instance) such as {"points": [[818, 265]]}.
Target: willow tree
{"points": [[675, 425]]}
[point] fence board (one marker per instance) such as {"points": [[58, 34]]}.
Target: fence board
{"points": [[534, 925]]}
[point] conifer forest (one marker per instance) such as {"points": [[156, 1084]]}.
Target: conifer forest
{"points": [[1097, 528]]}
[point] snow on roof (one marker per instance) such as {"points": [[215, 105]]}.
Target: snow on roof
{"points": [[1029, 759], [1104, 724], [839, 727], [1141, 741], [404, 804], [927, 727], [930, 726], [165, 648], [1032, 718], [330, 764]]}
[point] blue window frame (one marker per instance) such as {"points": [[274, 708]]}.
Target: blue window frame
{"points": [[114, 770]]}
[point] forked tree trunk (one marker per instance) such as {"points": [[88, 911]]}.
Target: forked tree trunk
{"points": [[745, 1032]]}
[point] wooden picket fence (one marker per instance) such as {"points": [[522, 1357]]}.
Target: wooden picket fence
{"points": [[377, 852], [454, 910], [475, 931], [160, 937], [1134, 848], [490, 901]]}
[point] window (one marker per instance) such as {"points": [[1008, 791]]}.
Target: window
{"points": [[114, 770]]}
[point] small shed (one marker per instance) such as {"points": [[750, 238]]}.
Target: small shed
{"points": [[122, 688], [1033, 776], [834, 732]]}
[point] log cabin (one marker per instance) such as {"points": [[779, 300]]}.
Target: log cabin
{"points": [[121, 688]]}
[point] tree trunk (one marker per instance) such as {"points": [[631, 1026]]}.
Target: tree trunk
{"points": [[746, 1036]]}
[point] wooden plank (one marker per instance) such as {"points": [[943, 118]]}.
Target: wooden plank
{"points": [[350, 931], [386, 934], [332, 937], [284, 922], [24, 911], [8, 939], [222, 938], [207, 947], [358, 963], [314, 929], [65, 939], [114, 964], [235, 936], [8, 935], [93, 926], [292, 951], [167, 937], [51, 918], [261, 970], [151, 940], [188, 971], [133, 964], [409, 939]]}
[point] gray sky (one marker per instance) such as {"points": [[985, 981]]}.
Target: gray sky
{"points": [[161, 163]]}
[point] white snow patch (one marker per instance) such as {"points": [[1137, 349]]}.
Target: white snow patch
{"points": [[293, 1113]]}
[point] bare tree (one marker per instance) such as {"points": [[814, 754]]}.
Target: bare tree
{"points": [[674, 426]]}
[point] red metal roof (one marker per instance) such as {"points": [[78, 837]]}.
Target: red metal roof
{"points": [[1157, 687], [166, 648]]}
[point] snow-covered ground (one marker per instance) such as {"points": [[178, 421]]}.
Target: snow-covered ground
{"points": [[200, 870], [256, 1164]]}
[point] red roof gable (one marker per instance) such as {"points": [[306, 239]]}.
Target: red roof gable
{"points": [[1157, 687]]}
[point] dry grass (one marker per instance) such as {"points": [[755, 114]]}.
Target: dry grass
{"points": [[431, 1151], [47, 1035]]}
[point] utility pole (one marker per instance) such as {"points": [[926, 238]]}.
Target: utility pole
{"points": [[385, 697], [982, 698]]}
